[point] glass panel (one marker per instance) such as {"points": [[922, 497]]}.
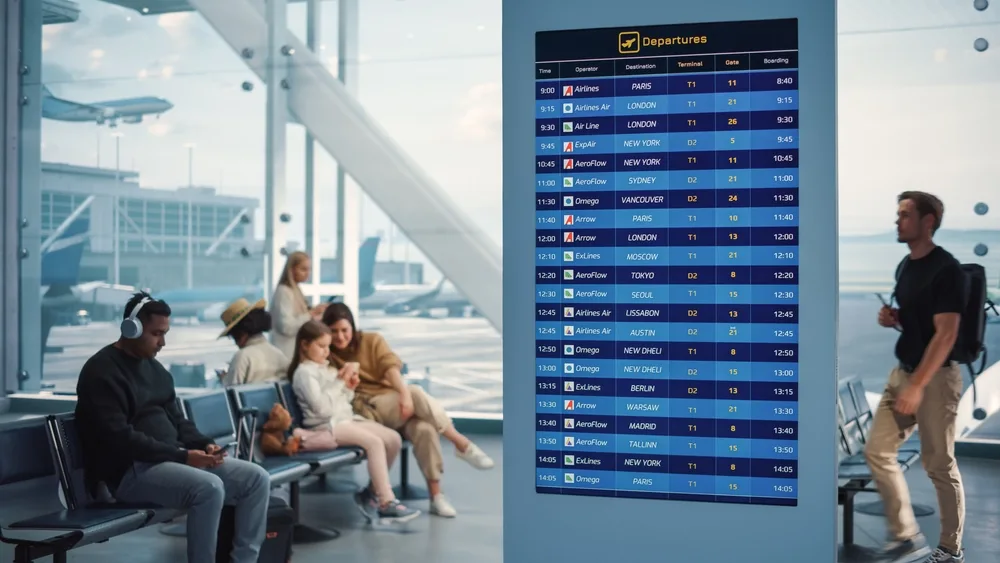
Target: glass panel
{"points": [[149, 112], [916, 112]]}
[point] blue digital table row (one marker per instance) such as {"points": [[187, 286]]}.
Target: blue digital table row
{"points": [[685, 423], [720, 256], [761, 217], [666, 161], [667, 369], [566, 442], [730, 103], [582, 236], [677, 464], [673, 84], [691, 182], [568, 124], [722, 334], [781, 402], [734, 399], [666, 275], [704, 351], [683, 141], [770, 298], [701, 488], [689, 314]]}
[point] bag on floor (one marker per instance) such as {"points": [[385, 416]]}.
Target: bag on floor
{"points": [[277, 546]]}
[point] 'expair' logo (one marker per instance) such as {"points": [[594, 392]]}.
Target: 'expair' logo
{"points": [[567, 164], [568, 146], [567, 219], [568, 90]]}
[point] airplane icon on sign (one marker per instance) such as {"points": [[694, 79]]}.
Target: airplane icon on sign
{"points": [[628, 43]]}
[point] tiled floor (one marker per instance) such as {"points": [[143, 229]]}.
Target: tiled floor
{"points": [[475, 536]]}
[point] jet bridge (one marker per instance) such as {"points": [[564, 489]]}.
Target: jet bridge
{"points": [[457, 246]]}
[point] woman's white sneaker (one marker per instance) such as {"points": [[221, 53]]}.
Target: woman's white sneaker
{"points": [[440, 506], [475, 457]]}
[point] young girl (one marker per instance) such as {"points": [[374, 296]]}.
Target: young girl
{"points": [[325, 396]]}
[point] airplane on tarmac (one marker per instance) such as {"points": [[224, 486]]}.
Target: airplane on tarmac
{"points": [[128, 110]]}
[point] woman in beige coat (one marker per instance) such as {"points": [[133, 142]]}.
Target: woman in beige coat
{"points": [[289, 308]]}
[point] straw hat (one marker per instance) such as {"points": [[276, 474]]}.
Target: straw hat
{"points": [[237, 311]]}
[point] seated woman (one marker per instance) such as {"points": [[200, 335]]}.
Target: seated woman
{"points": [[325, 395], [257, 360], [384, 397]]}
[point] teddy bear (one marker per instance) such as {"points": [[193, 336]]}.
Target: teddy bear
{"points": [[275, 438]]}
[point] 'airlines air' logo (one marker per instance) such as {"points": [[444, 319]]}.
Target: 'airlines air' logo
{"points": [[628, 42]]}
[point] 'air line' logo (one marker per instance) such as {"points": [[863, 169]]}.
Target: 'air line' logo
{"points": [[628, 42]]}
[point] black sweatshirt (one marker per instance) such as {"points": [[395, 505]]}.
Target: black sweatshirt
{"points": [[126, 412]]}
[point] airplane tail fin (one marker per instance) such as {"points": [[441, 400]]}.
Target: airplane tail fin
{"points": [[46, 93], [61, 260], [366, 267]]}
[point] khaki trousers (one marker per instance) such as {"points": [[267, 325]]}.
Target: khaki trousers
{"points": [[422, 429], [936, 420]]}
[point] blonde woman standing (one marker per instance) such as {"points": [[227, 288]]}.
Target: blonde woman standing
{"points": [[289, 307]]}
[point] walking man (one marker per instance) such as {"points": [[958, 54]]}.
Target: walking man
{"points": [[925, 387]]}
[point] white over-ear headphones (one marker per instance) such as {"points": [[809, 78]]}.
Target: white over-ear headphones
{"points": [[132, 326]]}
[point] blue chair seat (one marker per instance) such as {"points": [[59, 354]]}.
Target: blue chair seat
{"points": [[328, 460], [284, 469], [124, 518]]}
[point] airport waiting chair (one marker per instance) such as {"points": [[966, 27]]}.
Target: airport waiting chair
{"points": [[69, 454], [28, 475], [263, 397], [211, 413]]}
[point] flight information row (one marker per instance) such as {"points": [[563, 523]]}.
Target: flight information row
{"points": [[683, 422], [667, 123], [680, 313], [700, 106], [703, 351], [741, 87], [661, 275], [667, 445], [689, 182], [668, 388], [737, 64], [680, 141], [591, 218], [720, 333], [669, 256], [571, 236], [781, 200], [686, 488], [660, 161], [691, 369], [676, 463]]}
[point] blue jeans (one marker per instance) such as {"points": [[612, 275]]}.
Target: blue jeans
{"points": [[203, 492]]}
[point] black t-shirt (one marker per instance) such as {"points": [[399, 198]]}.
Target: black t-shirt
{"points": [[927, 286]]}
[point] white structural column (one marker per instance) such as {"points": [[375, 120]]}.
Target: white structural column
{"points": [[314, 27], [30, 144], [348, 194], [276, 73], [10, 47], [458, 247]]}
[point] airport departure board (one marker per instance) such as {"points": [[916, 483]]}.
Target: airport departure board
{"points": [[666, 262]]}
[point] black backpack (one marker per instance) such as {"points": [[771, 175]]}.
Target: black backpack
{"points": [[970, 346]]}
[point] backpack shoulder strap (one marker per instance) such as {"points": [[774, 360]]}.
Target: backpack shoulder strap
{"points": [[899, 272]]}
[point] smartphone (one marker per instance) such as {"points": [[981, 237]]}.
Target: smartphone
{"points": [[882, 299], [230, 449]]}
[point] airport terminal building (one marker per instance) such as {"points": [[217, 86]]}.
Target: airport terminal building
{"points": [[156, 229]]}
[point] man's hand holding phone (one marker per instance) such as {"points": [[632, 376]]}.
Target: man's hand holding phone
{"points": [[888, 316], [204, 459]]}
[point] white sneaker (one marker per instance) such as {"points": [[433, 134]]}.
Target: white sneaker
{"points": [[475, 457], [441, 507]]}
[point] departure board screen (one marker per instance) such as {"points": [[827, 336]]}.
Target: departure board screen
{"points": [[666, 262]]}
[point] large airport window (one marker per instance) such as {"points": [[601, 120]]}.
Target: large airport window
{"points": [[151, 117]]}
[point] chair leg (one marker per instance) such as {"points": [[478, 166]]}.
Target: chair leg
{"points": [[303, 533], [405, 491]]}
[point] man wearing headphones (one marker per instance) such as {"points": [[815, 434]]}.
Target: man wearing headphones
{"points": [[137, 443]]}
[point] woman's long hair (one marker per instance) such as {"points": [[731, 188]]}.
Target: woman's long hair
{"points": [[294, 259], [337, 312], [307, 334]]}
